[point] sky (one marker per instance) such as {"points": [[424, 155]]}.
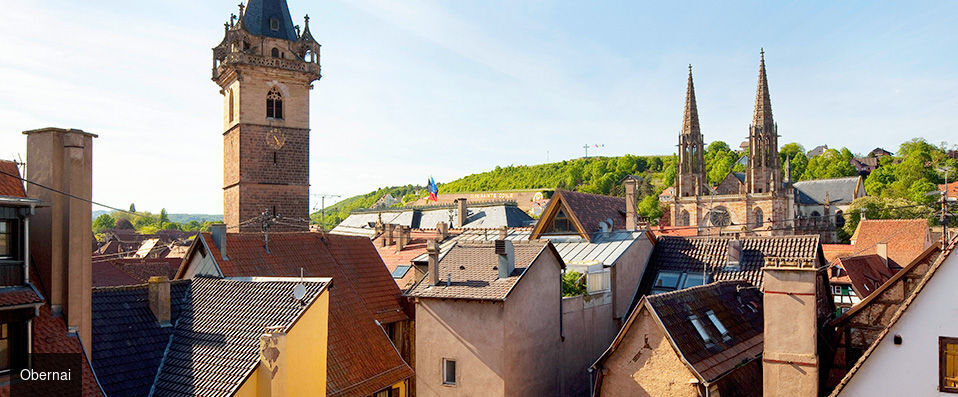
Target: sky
{"points": [[414, 89]]}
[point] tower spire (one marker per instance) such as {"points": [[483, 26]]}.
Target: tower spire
{"points": [[763, 102], [690, 120]]}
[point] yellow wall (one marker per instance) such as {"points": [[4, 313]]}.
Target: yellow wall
{"points": [[306, 354]]}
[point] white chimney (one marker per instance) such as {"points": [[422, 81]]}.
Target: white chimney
{"points": [[507, 258]]}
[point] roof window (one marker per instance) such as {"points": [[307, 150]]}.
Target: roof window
{"points": [[669, 280], [400, 271], [274, 24], [700, 328], [718, 325]]}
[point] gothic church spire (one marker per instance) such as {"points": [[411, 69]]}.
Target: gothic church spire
{"points": [[690, 121], [763, 102]]}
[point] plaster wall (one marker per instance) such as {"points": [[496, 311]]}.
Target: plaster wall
{"points": [[627, 273], [589, 329], [929, 317], [791, 341], [646, 364]]}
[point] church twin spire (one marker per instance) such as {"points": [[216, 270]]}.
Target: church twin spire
{"points": [[763, 102], [690, 121]]}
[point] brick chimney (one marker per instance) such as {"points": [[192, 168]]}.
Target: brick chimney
{"points": [[462, 214], [273, 363], [403, 237], [389, 235], [443, 229], [62, 159], [160, 299], [882, 250], [631, 217], [507, 258], [790, 362], [432, 271], [218, 233]]}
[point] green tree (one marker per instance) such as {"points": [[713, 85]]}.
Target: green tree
{"points": [[103, 222], [573, 283], [831, 164], [132, 207], [163, 216], [650, 209]]}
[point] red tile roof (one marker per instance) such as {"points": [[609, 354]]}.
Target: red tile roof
{"points": [[19, 295], [131, 271], [393, 257], [10, 186], [905, 238], [361, 358], [866, 273], [50, 336], [952, 189]]}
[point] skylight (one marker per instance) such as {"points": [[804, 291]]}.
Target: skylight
{"points": [[700, 328], [718, 324]]}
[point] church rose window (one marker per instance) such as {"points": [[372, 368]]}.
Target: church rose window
{"points": [[274, 104]]}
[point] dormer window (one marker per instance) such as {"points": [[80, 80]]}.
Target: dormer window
{"points": [[561, 223], [274, 104], [274, 24], [275, 53]]}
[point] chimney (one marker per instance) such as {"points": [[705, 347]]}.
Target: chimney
{"points": [[273, 363], [218, 232], [503, 233], [790, 361], [507, 258], [443, 229], [461, 213], [160, 299], [882, 250], [62, 159], [389, 235], [734, 255], [432, 271], [631, 218], [403, 237]]}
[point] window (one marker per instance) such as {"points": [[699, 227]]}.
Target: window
{"points": [[758, 217], [274, 24], [839, 219], [693, 279], [700, 328], [448, 372], [948, 367], [684, 219], [670, 280], [718, 325], [400, 271], [7, 239], [275, 53], [561, 223], [231, 104], [720, 217], [274, 104], [4, 348]]}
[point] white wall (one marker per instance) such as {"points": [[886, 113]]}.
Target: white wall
{"points": [[911, 369]]}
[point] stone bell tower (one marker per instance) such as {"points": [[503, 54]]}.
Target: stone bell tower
{"points": [[265, 67]]}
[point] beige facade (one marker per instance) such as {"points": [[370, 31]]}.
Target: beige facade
{"points": [[751, 214], [791, 358], [655, 368]]}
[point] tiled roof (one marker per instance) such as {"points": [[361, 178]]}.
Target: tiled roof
{"points": [[352, 368], [19, 295], [130, 271], [474, 274], [866, 273], [50, 336], [952, 189], [592, 209], [215, 342], [905, 238], [128, 343], [479, 216], [738, 307], [839, 190], [10, 186], [394, 257], [898, 314], [692, 254]]}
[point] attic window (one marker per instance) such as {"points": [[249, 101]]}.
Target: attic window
{"points": [[718, 324], [561, 223], [700, 328], [667, 281], [274, 24], [400, 271]]}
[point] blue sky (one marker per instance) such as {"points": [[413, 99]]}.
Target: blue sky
{"points": [[418, 88]]}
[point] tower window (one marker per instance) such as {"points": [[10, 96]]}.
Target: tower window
{"points": [[275, 53], [274, 24], [274, 104], [758, 217], [231, 104]]}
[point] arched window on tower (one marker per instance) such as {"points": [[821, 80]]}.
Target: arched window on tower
{"points": [[274, 104], [231, 104], [275, 52], [684, 219], [759, 217]]}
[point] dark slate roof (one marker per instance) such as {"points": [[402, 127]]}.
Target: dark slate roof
{"points": [[593, 209], [740, 176], [258, 13], [128, 343], [474, 272], [840, 190], [690, 254], [215, 343], [738, 307]]}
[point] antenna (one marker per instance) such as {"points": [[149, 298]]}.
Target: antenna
{"points": [[322, 211]]}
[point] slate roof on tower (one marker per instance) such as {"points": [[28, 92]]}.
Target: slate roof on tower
{"points": [[257, 16]]}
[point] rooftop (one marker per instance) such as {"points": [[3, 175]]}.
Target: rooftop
{"points": [[837, 191]]}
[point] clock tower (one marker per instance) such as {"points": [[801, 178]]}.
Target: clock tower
{"points": [[265, 67]]}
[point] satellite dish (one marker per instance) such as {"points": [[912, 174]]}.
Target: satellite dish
{"points": [[299, 291]]}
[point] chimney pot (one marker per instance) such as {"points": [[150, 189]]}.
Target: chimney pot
{"points": [[631, 217], [507, 258], [218, 231], [462, 214], [160, 299], [403, 237], [432, 271], [389, 234]]}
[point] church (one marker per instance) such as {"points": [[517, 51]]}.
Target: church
{"points": [[758, 203]]}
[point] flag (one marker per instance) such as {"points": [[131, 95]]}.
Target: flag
{"points": [[433, 190]]}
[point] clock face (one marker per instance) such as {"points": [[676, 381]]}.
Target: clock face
{"points": [[275, 138]]}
